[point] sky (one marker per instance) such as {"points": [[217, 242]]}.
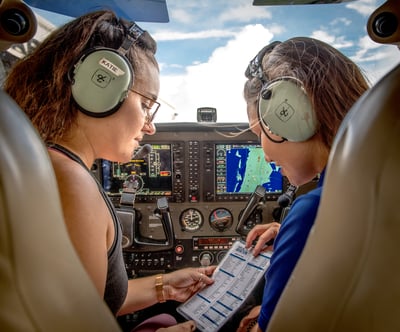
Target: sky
{"points": [[206, 46]]}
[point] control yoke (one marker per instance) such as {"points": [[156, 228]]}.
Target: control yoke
{"points": [[166, 221], [254, 201]]}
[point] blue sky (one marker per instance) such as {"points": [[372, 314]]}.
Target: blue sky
{"points": [[205, 48]]}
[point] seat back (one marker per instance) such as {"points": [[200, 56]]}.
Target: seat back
{"points": [[43, 285]]}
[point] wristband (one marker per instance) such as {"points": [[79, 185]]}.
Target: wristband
{"points": [[160, 288]]}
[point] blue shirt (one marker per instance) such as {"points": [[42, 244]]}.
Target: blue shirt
{"points": [[288, 246]]}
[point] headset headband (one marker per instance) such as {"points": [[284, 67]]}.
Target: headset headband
{"points": [[254, 69], [134, 33]]}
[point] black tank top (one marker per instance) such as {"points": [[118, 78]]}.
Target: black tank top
{"points": [[117, 279]]}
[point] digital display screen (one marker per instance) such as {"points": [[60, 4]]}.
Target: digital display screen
{"points": [[214, 241], [239, 168], [153, 172]]}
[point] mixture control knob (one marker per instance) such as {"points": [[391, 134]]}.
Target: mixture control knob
{"points": [[206, 259]]}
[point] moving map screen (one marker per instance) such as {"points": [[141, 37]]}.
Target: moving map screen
{"points": [[239, 168]]}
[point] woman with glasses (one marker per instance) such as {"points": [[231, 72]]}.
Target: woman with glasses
{"points": [[297, 93], [91, 90]]}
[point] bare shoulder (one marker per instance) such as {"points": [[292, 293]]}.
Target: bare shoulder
{"points": [[81, 199], [86, 216], [72, 177]]}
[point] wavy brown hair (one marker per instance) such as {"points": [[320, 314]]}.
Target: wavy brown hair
{"points": [[40, 82], [332, 81]]}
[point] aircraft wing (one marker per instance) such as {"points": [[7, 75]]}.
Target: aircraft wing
{"points": [[135, 10]]}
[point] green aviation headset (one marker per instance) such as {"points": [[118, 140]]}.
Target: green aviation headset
{"points": [[283, 105], [102, 77], [285, 109]]}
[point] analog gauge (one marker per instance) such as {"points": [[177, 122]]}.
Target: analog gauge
{"points": [[191, 220], [221, 219]]}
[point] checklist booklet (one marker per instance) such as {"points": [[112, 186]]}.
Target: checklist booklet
{"points": [[234, 279]]}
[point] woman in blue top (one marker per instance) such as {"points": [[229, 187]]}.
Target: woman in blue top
{"points": [[297, 94]]}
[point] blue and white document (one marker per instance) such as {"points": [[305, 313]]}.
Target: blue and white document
{"points": [[234, 279]]}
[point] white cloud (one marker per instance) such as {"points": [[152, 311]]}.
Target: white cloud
{"points": [[188, 12], [216, 83], [367, 43], [363, 7], [276, 29], [376, 59], [341, 21], [386, 61], [180, 15], [369, 51], [166, 35], [245, 13], [338, 42], [324, 36]]}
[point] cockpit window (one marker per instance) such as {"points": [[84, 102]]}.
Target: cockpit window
{"points": [[205, 47]]}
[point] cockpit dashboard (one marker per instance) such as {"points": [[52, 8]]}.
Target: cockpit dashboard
{"points": [[181, 196]]}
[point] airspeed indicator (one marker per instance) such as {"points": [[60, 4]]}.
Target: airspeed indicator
{"points": [[191, 220]]}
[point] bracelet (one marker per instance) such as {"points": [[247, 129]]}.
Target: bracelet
{"points": [[160, 288]]}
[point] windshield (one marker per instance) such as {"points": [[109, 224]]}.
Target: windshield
{"points": [[205, 47]]}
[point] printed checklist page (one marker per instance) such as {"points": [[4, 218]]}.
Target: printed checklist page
{"points": [[234, 279]]}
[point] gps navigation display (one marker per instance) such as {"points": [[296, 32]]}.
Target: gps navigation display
{"points": [[239, 168]]}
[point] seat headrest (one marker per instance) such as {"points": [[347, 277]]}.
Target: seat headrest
{"points": [[43, 284]]}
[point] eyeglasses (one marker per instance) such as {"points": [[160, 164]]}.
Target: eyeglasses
{"points": [[151, 108]]}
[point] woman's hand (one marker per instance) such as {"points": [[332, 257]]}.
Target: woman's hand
{"points": [[264, 233], [182, 327], [182, 284], [249, 322]]}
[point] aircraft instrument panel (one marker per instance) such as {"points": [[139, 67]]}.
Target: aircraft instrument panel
{"points": [[180, 199]]}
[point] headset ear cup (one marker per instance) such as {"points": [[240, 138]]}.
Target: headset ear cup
{"points": [[286, 110], [101, 80]]}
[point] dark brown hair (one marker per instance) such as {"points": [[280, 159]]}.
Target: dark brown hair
{"points": [[332, 81], [40, 83]]}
